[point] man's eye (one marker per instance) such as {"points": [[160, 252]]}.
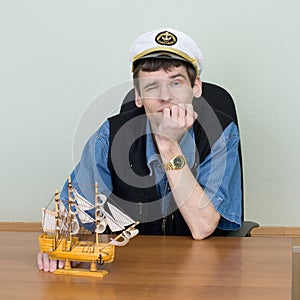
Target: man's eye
{"points": [[151, 88], [176, 83]]}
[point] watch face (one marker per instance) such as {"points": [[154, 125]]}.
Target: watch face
{"points": [[178, 162]]}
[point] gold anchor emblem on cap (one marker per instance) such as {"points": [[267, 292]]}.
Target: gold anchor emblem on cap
{"points": [[166, 38]]}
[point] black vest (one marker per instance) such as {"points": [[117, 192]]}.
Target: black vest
{"points": [[134, 188]]}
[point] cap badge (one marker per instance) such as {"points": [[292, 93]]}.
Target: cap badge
{"points": [[166, 38]]}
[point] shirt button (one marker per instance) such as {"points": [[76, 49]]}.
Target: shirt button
{"points": [[158, 165]]}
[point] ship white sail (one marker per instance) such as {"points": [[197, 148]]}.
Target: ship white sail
{"points": [[48, 221], [49, 224], [113, 224], [84, 217], [67, 221], [125, 236], [81, 201], [116, 221], [122, 218]]}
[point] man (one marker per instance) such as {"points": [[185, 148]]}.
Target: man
{"points": [[171, 163]]}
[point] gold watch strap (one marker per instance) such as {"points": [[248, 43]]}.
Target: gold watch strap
{"points": [[168, 166]]}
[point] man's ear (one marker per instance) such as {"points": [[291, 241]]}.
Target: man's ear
{"points": [[138, 100], [197, 88]]}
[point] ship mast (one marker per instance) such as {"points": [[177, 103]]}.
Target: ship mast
{"points": [[57, 224], [97, 196], [70, 216]]}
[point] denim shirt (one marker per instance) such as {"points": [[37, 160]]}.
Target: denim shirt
{"points": [[219, 174]]}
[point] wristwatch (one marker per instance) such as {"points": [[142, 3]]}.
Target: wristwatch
{"points": [[176, 163]]}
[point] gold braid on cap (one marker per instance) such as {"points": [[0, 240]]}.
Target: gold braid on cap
{"points": [[179, 53]]}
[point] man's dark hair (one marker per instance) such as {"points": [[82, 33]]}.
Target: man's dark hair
{"points": [[155, 64]]}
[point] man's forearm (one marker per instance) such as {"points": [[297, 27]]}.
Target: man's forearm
{"points": [[193, 203]]}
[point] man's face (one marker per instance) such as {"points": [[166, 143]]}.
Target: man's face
{"points": [[162, 89]]}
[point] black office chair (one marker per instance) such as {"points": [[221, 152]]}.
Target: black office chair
{"points": [[220, 100]]}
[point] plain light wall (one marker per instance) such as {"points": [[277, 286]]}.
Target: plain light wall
{"points": [[57, 57]]}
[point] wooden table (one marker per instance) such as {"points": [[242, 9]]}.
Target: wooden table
{"points": [[157, 268]]}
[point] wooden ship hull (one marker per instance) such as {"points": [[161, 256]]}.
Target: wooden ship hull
{"points": [[81, 251]]}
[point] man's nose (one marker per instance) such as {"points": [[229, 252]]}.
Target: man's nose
{"points": [[164, 93]]}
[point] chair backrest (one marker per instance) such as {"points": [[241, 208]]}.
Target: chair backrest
{"points": [[218, 98]]}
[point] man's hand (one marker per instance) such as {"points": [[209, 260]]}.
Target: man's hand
{"points": [[47, 264], [176, 121]]}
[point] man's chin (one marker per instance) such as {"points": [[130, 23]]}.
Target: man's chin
{"points": [[156, 118]]}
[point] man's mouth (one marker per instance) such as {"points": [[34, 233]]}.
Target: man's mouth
{"points": [[161, 110]]}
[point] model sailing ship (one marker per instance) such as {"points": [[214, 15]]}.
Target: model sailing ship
{"points": [[60, 228]]}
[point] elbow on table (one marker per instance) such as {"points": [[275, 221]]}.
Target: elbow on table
{"points": [[200, 236], [203, 229], [204, 232]]}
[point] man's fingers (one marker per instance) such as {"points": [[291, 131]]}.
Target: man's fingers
{"points": [[191, 115], [166, 112], [182, 116], [40, 261], [52, 265], [61, 264], [175, 112], [46, 262]]}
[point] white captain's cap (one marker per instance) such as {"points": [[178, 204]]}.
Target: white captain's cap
{"points": [[167, 43]]}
